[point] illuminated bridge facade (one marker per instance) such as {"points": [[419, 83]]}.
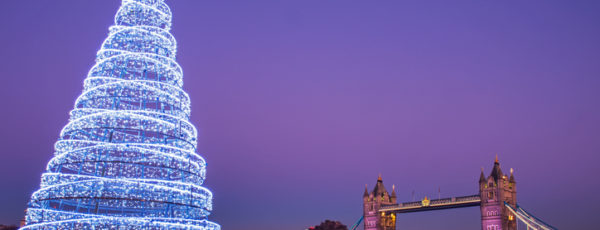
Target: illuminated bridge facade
{"points": [[497, 199]]}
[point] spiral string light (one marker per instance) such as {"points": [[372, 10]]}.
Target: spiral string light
{"points": [[126, 159]]}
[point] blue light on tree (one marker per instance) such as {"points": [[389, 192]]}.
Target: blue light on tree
{"points": [[126, 159]]}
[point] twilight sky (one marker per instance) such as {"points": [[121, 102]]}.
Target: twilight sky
{"points": [[301, 103]]}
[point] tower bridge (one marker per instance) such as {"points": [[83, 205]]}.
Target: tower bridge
{"points": [[497, 199]]}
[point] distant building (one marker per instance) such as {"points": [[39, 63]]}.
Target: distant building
{"points": [[329, 225]]}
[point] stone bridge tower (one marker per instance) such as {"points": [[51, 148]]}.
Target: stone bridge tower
{"points": [[374, 220], [494, 190]]}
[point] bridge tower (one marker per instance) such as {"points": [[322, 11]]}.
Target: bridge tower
{"points": [[374, 220], [494, 191]]}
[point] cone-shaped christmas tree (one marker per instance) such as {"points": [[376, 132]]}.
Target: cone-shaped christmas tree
{"points": [[126, 159]]}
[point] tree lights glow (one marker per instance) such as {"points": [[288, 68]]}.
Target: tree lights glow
{"points": [[126, 159]]}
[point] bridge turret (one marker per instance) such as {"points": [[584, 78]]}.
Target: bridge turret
{"points": [[373, 219], [494, 191]]}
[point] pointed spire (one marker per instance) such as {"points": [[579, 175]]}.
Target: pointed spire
{"points": [[379, 189], [496, 171], [481, 176], [393, 190], [366, 194], [512, 177]]}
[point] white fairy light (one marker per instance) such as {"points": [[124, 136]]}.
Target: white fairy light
{"points": [[126, 159]]}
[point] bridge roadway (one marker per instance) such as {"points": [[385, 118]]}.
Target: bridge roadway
{"points": [[437, 204]]}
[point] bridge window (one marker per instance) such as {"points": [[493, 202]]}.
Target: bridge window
{"points": [[492, 227]]}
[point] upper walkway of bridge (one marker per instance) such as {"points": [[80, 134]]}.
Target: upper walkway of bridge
{"points": [[427, 205]]}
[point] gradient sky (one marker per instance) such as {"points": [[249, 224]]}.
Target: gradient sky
{"points": [[301, 103]]}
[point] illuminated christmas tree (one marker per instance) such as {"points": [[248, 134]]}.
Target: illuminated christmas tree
{"points": [[126, 159]]}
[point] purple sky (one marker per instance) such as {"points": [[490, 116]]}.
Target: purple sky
{"points": [[299, 104]]}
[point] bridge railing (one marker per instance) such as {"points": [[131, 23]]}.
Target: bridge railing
{"points": [[441, 201], [402, 205], [468, 198]]}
